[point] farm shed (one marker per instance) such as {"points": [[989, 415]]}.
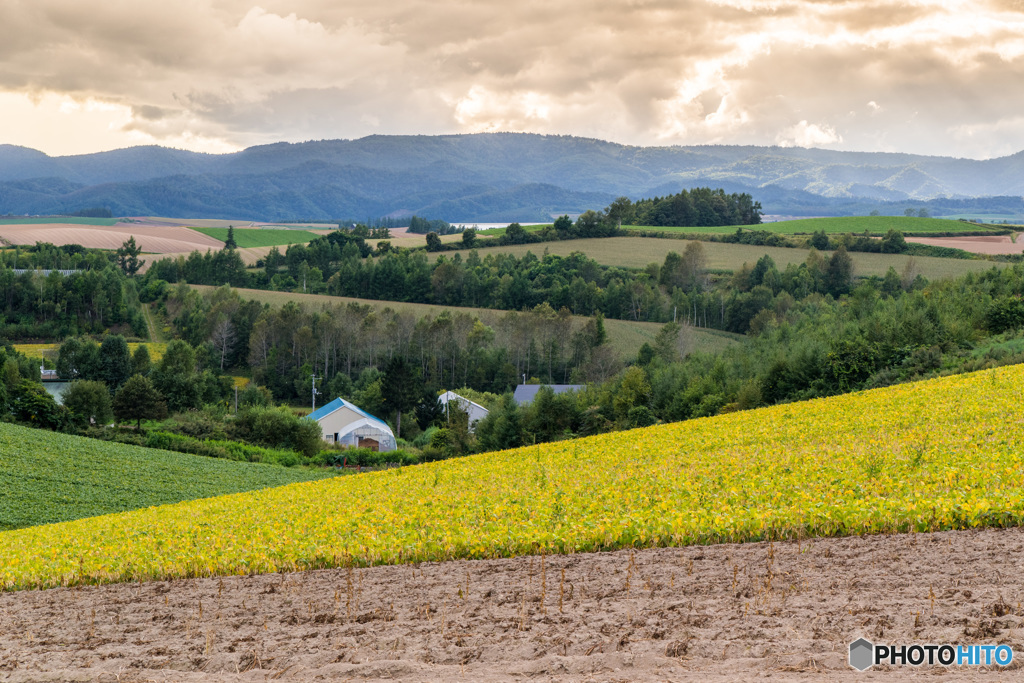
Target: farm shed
{"points": [[475, 411], [526, 393], [347, 424]]}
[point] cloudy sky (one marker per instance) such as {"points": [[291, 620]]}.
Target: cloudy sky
{"points": [[924, 76]]}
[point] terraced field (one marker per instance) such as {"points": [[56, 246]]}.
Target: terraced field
{"points": [[48, 477], [941, 454]]}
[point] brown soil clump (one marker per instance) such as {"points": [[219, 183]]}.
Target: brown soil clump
{"points": [[727, 612]]}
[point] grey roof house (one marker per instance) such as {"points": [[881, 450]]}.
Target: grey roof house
{"points": [[526, 393]]}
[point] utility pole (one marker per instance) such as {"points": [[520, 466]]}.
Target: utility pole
{"points": [[315, 378]]}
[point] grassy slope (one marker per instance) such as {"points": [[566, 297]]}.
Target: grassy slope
{"points": [[637, 252], [253, 237], [876, 225], [940, 454], [48, 477], [626, 337]]}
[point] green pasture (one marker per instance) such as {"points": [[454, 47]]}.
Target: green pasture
{"points": [[255, 237], [56, 220]]}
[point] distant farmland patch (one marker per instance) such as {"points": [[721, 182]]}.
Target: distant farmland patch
{"points": [[50, 220], [637, 252], [247, 238], [875, 225], [151, 239], [49, 350]]}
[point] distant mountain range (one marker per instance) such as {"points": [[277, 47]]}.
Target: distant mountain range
{"points": [[491, 177]]}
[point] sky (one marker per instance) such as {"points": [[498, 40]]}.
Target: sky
{"points": [[924, 76]]}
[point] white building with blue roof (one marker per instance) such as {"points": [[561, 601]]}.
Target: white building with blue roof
{"points": [[347, 424]]}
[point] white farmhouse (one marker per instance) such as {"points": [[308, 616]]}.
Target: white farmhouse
{"points": [[475, 411], [344, 423]]}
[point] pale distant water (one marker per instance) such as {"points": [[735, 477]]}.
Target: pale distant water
{"points": [[487, 226], [56, 389]]}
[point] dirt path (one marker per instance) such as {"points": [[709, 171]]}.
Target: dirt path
{"points": [[154, 336], [728, 612]]}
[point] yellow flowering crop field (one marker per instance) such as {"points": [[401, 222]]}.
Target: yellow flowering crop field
{"points": [[940, 454], [156, 349]]}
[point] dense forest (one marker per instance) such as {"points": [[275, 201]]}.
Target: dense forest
{"points": [[94, 297], [700, 206]]}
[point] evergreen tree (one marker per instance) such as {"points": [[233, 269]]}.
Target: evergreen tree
{"points": [[128, 257], [839, 272], [230, 243], [115, 361], [176, 378], [141, 362], [400, 389]]}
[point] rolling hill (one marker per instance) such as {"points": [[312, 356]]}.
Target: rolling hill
{"points": [[939, 454]]}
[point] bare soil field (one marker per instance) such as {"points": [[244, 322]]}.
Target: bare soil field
{"points": [[976, 244], [728, 612], [152, 239]]}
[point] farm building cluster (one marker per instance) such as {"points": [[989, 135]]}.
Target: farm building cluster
{"points": [[344, 423]]}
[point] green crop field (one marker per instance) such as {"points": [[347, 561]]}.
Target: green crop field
{"points": [[255, 237], [875, 225], [637, 252], [58, 220], [47, 477], [927, 456], [625, 336]]}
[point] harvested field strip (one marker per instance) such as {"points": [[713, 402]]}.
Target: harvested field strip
{"points": [[48, 477], [941, 454], [625, 336], [637, 252], [50, 220], [260, 237], [156, 240]]}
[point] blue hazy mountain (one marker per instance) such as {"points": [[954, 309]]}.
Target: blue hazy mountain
{"points": [[489, 177]]}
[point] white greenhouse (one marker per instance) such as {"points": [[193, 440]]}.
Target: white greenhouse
{"points": [[344, 423]]}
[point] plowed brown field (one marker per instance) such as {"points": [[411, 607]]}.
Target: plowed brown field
{"points": [[151, 239], [726, 612], [976, 244]]}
